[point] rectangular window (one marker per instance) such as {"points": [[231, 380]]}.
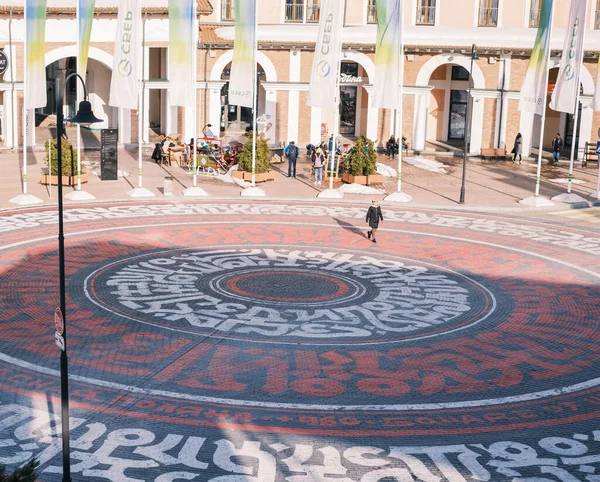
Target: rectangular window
{"points": [[294, 11], [534, 13], [488, 13], [458, 114], [312, 11], [227, 11], [425, 12], [372, 12], [459, 73]]}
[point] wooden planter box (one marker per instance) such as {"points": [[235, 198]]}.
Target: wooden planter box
{"points": [[66, 180], [350, 179], [375, 179], [259, 177]]}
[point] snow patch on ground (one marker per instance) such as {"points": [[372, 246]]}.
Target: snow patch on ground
{"points": [[359, 189], [566, 181], [386, 171], [97, 172], [427, 164]]}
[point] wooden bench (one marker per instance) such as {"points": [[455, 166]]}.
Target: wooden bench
{"points": [[493, 152], [589, 154]]}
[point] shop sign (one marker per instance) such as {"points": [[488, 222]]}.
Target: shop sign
{"points": [[3, 62], [350, 79]]}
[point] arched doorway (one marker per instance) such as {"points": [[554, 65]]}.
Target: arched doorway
{"points": [[234, 118], [447, 117], [440, 113], [560, 122], [267, 97]]}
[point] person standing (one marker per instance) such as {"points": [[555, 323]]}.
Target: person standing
{"points": [[318, 161], [557, 145], [374, 215], [518, 148], [391, 146], [292, 153]]}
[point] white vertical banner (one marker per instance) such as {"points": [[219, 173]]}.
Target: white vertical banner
{"points": [[387, 54], [322, 90], [126, 61], [35, 41], [565, 93], [535, 86], [242, 81], [181, 52]]}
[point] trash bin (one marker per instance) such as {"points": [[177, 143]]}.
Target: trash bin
{"points": [[168, 186]]}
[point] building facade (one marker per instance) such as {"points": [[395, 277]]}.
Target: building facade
{"points": [[438, 38]]}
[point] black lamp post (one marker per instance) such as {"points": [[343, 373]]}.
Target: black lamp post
{"points": [[467, 126], [84, 116]]}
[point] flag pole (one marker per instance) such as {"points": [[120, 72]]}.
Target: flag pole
{"points": [[141, 100], [330, 192], [255, 91], [194, 68], [77, 68], [400, 196], [336, 112], [194, 190], [543, 121], [569, 197], [400, 105], [24, 198], [141, 191]]}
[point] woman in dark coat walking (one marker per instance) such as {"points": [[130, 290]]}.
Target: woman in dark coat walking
{"points": [[518, 148], [373, 217]]}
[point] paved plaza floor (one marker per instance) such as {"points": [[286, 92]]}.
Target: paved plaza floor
{"points": [[267, 341]]}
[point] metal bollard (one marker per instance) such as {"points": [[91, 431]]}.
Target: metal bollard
{"points": [[168, 186]]}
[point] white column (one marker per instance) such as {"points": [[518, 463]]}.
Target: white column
{"points": [[476, 119], [315, 125], [271, 115], [372, 115], [586, 125], [31, 128], [294, 97], [420, 121], [10, 126], [124, 126], [189, 123], [146, 116], [503, 81], [214, 99], [293, 115], [526, 130]]}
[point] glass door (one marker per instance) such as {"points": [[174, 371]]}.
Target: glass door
{"points": [[458, 114]]}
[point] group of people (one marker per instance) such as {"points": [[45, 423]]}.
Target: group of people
{"points": [[557, 146], [391, 146]]}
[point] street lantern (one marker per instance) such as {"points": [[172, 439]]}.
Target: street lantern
{"points": [[474, 57], [84, 116]]}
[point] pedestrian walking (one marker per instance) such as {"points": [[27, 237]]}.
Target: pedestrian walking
{"points": [[318, 161], [518, 148], [373, 217], [557, 145], [292, 153]]}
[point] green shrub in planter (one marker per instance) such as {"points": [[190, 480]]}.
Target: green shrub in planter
{"points": [[362, 159], [69, 158], [370, 157], [263, 153], [22, 474]]}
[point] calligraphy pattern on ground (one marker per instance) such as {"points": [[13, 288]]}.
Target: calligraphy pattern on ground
{"points": [[133, 454]]}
